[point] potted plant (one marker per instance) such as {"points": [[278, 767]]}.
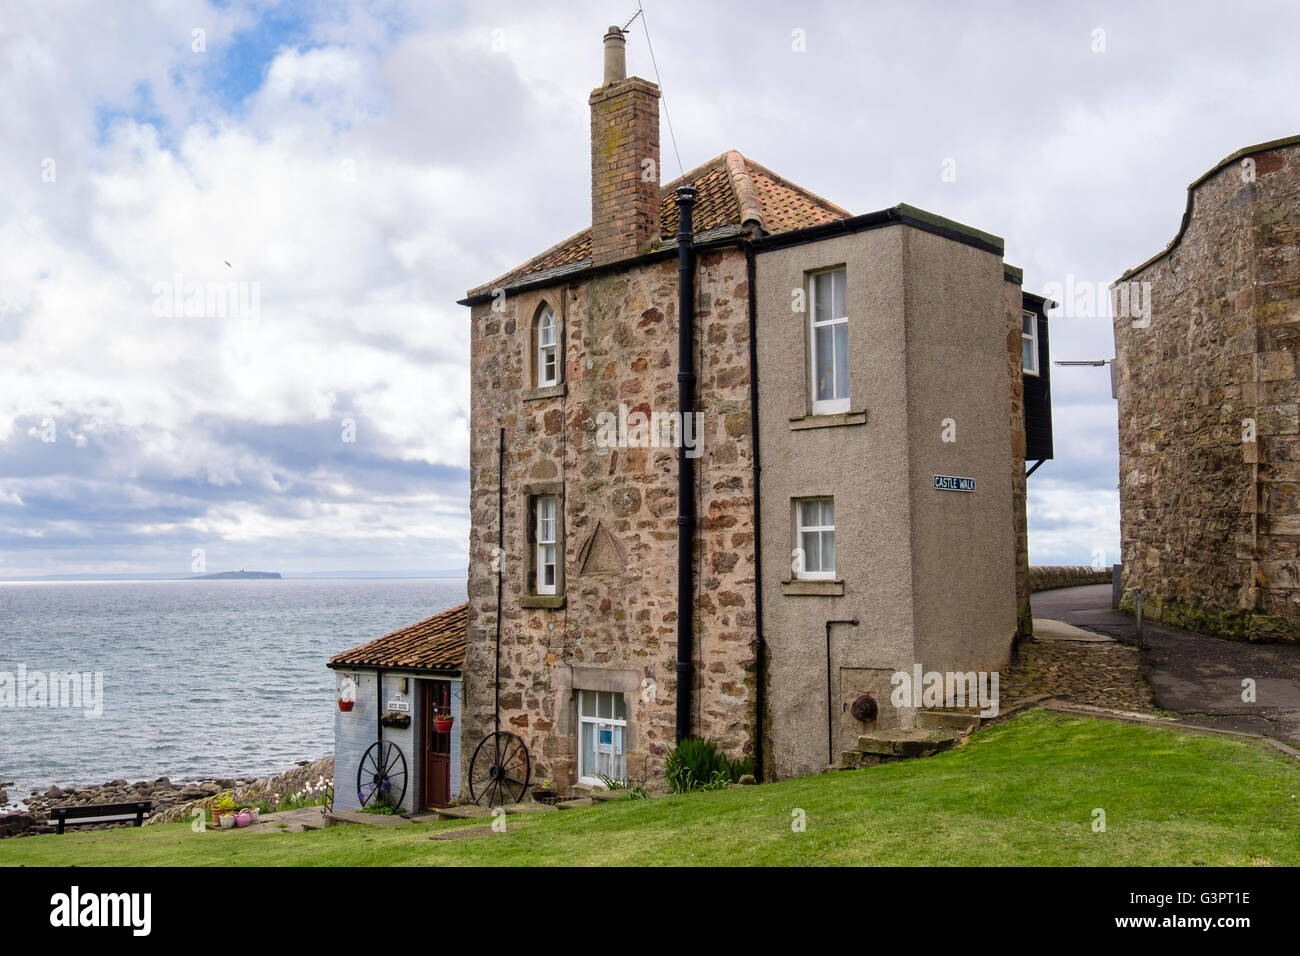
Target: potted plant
{"points": [[345, 705], [392, 718], [544, 792], [442, 722], [244, 817], [227, 821], [222, 805]]}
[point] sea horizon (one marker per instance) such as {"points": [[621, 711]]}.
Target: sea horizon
{"points": [[200, 678]]}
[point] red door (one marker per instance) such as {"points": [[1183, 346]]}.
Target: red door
{"points": [[437, 747]]}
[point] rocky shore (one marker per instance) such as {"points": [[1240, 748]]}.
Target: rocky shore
{"points": [[171, 801]]}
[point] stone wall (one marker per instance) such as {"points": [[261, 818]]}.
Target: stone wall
{"points": [[615, 628], [1048, 577], [1211, 522]]}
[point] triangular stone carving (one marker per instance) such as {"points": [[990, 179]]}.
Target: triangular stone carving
{"points": [[601, 553]]}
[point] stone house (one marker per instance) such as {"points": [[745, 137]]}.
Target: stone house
{"points": [[669, 518], [1206, 333]]}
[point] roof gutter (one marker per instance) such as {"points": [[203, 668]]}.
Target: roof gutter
{"points": [[685, 463]]}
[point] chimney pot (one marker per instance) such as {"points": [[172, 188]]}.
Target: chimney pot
{"points": [[615, 56]]}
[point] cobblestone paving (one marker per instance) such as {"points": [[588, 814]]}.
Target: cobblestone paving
{"points": [[1101, 674]]}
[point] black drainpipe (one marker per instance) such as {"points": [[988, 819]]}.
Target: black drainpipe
{"points": [[379, 705], [760, 695], [500, 566], [685, 464], [830, 697]]}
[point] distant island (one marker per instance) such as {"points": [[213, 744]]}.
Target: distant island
{"points": [[237, 576]]}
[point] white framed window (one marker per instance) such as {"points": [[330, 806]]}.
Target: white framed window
{"points": [[829, 342], [548, 366], [814, 556], [602, 736], [1029, 341], [546, 509]]}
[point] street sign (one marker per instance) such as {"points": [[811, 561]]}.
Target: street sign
{"points": [[953, 483]]}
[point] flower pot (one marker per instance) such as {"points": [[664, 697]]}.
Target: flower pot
{"points": [[546, 796], [216, 816], [227, 821], [345, 705], [255, 814], [243, 818], [443, 724]]}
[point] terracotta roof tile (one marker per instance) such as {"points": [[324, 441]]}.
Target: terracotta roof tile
{"points": [[731, 189], [436, 643]]}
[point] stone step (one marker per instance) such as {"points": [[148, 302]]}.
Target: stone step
{"points": [[919, 742], [467, 811], [575, 803], [959, 720]]}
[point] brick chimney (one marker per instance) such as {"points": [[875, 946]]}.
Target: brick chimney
{"points": [[624, 159]]}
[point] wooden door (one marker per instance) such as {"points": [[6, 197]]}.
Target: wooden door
{"points": [[436, 771]]}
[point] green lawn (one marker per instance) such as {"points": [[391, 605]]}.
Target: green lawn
{"points": [[1022, 792]]}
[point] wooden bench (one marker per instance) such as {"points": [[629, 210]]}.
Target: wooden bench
{"points": [[135, 811]]}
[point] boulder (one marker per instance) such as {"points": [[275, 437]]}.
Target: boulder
{"points": [[4, 797], [12, 824], [54, 793]]}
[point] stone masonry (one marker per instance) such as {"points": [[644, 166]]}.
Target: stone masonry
{"points": [[616, 626], [1209, 406]]}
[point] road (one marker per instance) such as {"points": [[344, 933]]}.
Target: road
{"points": [[1196, 675]]}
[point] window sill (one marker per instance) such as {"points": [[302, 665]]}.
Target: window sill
{"points": [[812, 587], [551, 601], [558, 390], [800, 422]]}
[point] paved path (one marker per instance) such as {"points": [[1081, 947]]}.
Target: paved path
{"points": [[1193, 674]]}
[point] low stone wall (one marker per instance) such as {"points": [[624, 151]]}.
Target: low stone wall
{"points": [[265, 788], [171, 801], [1047, 577]]}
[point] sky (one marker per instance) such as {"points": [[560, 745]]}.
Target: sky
{"points": [[350, 169]]}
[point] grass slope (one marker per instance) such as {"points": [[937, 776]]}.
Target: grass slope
{"points": [[1022, 792]]}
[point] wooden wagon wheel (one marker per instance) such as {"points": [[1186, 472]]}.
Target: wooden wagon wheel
{"points": [[500, 770], [381, 776]]}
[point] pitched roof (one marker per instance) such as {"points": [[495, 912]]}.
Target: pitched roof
{"points": [[731, 191], [435, 644]]}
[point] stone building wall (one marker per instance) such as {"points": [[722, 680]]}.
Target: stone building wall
{"points": [[1211, 523], [616, 629]]}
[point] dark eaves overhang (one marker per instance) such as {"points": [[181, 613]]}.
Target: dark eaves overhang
{"points": [[397, 671], [709, 239], [902, 214]]}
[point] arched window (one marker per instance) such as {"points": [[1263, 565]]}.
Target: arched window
{"points": [[548, 365]]}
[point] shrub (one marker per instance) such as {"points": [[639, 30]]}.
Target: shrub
{"points": [[697, 763]]}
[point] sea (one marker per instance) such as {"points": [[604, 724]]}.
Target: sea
{"points": [[199, 678]]}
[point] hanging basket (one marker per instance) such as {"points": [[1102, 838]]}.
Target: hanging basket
{"points": [[443, 724], [347, 693], [394, 719]]}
